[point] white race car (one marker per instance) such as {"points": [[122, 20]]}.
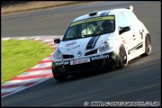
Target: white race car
{"points": [[100, 40]]}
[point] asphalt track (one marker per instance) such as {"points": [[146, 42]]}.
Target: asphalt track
{"points": [[140, 81]]}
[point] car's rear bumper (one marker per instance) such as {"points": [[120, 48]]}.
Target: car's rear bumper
{"points": [[95, 64]]}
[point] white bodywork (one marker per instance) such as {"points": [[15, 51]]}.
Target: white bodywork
{"points": [[74, 47]]}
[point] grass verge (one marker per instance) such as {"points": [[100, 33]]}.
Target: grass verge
{"points": [[19, 55]]}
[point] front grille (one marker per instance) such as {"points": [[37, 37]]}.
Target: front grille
{"points": [[91, 52], [68, 56]]}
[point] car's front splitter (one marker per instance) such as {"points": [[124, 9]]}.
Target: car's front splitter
{"points": [[96, 63]]}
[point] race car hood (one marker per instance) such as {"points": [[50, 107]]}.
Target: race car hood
{"points": [[79, 47]]}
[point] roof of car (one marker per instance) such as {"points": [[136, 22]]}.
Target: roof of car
{"points": [[101, 13]]}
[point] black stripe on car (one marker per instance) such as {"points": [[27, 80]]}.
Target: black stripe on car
{"points": [[135, 48], [104, 13], [92, 42]]}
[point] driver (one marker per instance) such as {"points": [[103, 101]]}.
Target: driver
{"points": [[107, 26]]}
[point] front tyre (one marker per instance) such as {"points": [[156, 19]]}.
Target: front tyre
{"points": [[122, 57], [58, 75], [148, 47]]}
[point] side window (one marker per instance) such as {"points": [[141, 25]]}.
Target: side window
{"points": [[130, 17], [122, 21]]}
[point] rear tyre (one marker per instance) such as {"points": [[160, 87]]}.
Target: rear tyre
{"points": [[58, 75], [148, 47], [122, 57]]}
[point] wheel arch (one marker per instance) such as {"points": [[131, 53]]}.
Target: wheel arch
{"points": [[149, 37], [121, 65]]}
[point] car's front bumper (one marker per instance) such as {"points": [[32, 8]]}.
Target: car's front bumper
{"points": [[98, 62]]}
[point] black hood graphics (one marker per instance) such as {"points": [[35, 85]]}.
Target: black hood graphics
{"points": [[92, 42]]}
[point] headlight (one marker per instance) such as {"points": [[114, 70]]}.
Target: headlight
{"points": [[57, 54], [107, 45]]}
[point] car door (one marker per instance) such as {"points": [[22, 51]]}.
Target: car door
{"points": [[126, 37], [136, 30]]}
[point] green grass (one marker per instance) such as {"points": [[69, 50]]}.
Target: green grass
{"points": [[19, 55]]}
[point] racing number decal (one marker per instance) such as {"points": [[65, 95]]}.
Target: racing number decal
{"points": [[141, 33]]}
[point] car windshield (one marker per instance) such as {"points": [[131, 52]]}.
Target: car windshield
{"points": [[90, 27]]}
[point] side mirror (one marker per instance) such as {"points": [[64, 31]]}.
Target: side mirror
{"points": [[124, 29], [57, 41]]}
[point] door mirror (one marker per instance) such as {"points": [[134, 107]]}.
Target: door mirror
{"points": [[124, 29], [57, 41]]}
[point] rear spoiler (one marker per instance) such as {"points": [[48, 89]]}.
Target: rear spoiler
{"points": [[130, 8]]}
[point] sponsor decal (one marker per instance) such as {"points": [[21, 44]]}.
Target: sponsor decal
{"points": [[99, 57], [93, 19], [69, 44], [61, 63], [68, 49], [123, 40], [75, 47]]}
